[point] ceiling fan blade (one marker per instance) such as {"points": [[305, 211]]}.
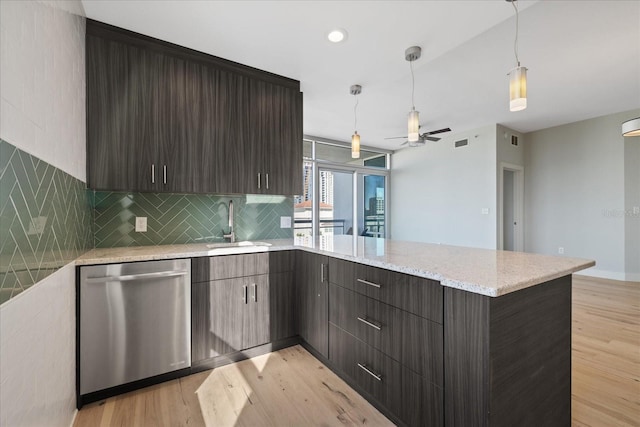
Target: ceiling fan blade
{"points": [[404, 143], [433, 132], [396, 137], [431, 138]]}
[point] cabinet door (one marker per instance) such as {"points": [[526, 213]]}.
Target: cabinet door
{"points": [[284, 142], [226, 316], [311, 278], [120, 146], [170, 112], [282, 307], [213, 120], [255, 330], [273, 155]]}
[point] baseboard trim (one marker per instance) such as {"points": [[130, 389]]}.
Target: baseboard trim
{"points": [[604, 274]]}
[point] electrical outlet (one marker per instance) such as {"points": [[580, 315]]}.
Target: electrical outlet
{"points": [[141, 224], [485, 211], [561, 250], [285, 222], [636, 210]]}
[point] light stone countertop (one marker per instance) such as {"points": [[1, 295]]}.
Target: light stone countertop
{"points": [[482, 271]]}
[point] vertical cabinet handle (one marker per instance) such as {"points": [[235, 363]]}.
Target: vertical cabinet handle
{"points": [[255, 292], [244, 294], [153, 173], [164, 174], [258, 179], [322, 272], [267, 179]]}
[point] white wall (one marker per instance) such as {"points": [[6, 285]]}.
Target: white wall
{"points": [[42, 111], [575, 192], [42, 81], [37, 354], [632, 206], [439, 191]]}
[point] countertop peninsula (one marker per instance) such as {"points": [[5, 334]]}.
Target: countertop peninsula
{"points": [[482, 271]]}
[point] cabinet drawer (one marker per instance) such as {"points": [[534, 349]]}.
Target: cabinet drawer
{"points": [[417, 295], [412, 340], [409, 396], [342, 272], [374, 372], [206, 269]]}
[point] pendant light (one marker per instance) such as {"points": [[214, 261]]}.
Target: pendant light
{"points": [[631, 127], [413, 123], [517, 76], [355, 138]]}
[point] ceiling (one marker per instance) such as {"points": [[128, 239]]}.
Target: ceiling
{"points": [[583, 57]]}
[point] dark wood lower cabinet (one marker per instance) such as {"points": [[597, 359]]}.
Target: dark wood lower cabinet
{"points": [[412, 340], [237, 313], [508, 359], [283, 309], [502, 361], [311, 280], [411, 398]]}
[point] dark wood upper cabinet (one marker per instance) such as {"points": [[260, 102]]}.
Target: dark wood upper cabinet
{"points": [[120, 148], [161, 117]]}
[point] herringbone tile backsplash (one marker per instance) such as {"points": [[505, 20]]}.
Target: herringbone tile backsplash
{"points": [[186, 218], [48, 218], [45, 220]]}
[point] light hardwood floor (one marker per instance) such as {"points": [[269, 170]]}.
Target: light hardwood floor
{"points": [[605, 353], [290, 387]]}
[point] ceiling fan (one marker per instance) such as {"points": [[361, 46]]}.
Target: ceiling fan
{"points": [[423, 137]]}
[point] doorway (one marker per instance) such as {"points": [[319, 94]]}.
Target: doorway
{"points": [[511, 208], [351, 201]]}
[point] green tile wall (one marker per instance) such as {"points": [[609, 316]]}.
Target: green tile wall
{"points": [[45, 220], [185, 218]]}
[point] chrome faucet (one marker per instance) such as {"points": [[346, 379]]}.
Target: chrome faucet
{"points": [[231, 236]]}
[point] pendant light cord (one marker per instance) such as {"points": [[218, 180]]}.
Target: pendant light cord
{"points": [[355, 115], [515, 42], [413, 85]]}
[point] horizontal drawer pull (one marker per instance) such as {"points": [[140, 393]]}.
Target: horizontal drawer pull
{"points": [[368, 371], [367, 322], [366, 282]]}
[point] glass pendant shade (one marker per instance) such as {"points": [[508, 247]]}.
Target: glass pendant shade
{"points": [[518, 89], [413, 130], [355, 145], [631, 127]]}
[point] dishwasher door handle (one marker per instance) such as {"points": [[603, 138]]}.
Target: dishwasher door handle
{"points": [[141, 276]]}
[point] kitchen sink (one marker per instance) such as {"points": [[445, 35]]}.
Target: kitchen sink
{"points": [[242, 244], [228, 248]]}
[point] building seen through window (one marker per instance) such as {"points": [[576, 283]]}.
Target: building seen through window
{"points": [[338, 177]]}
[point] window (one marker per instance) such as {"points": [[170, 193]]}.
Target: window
{"points": [[342, 195]]}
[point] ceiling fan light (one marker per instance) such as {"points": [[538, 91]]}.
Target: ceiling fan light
{"points": [[413, 126], [518, 89], [631, 127], [355, 145]]}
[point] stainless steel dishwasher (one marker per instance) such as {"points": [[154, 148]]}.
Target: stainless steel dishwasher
{"points": [[135, 321]]}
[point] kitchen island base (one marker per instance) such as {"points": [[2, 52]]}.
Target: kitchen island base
{"points": [[508, 359]]}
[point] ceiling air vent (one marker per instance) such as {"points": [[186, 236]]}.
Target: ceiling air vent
{"points": [[462, 143]]}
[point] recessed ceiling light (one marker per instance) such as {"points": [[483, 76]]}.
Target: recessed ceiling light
{"points": [[338, 35]]}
